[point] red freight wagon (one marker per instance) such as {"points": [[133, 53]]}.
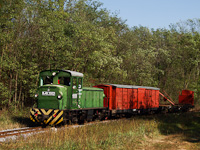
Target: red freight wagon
{"points": [[125, 98]]}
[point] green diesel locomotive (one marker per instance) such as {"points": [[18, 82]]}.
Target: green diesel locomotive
{"points": [[62, 98]]}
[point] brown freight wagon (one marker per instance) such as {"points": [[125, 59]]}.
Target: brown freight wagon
{"points": [[128, 98]]}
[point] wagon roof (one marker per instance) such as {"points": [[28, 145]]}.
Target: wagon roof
{"points": [[133, 86]]}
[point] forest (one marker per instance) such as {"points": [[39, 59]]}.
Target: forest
{"points": [[83, 36]]}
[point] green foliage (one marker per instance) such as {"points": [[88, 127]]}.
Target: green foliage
{"points": [[82, 36]]}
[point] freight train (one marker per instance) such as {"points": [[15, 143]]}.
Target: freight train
{"points": [[61, 98]]}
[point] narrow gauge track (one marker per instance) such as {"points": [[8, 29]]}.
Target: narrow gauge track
{"points": [[19, 131], [8, 134]]}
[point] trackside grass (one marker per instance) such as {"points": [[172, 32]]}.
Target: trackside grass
{"points": [[10, 119], [114, 135], [161, 131]]}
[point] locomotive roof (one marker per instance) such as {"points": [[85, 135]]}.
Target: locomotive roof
{"points": [[134, 87], [73, 73]]}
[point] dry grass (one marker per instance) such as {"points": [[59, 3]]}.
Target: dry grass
{"points": [[120, 134], [14, 119], [170, 131]]}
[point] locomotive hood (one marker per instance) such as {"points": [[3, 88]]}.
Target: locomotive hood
{"points": [[51, 96]]}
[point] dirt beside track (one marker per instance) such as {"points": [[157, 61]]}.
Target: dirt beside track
{"points": [[170, 142]]}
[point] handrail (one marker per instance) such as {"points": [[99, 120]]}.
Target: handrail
{"points": [[169, 96], [166, 98]]}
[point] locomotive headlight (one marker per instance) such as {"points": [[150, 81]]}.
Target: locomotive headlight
{"points": [[54, 73], [59, 96], [36, 95]]}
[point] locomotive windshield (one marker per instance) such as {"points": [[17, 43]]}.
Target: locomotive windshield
{"points": [[48, 80]]}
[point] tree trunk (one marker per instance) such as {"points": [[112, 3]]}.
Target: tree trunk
{"points": [[22, 100], [20, 90], [1, 66], [10, 90], [20, 93], [16, 90]]}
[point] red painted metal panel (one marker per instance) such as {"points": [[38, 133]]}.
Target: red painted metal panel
{"points": [[186, 97], [154, 99], [141, 99], [151, 101], [157, 99], [125, 98], [135, 99], [114, 104], [119, 100], [147, 100], [108, 95], [130, 99]]}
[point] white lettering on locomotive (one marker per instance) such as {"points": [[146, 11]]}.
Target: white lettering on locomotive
{"points": [[74, 96], [45, 93]]}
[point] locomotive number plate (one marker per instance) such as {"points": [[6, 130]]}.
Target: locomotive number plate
{"points": [[45, 93]]}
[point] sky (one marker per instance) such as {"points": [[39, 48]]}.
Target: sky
{"points": [[153, 13]]}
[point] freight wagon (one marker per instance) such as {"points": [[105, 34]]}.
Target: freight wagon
{"points": [[61, 98], [129, 99]]}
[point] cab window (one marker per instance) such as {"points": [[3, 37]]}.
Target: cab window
{"points": [[74, 83], [64, 81], [79, 83], [47, 80]]}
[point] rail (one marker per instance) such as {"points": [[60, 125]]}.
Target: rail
{"points": [[19, 131]]}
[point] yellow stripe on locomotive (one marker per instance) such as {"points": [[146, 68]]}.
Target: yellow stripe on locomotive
{"points": [[46, 116]]}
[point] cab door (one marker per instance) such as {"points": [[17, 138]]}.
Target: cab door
{"points": [[77, 83], [74, 92]]}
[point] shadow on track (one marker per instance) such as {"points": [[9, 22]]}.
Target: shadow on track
{"points": [[24, 120]]}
